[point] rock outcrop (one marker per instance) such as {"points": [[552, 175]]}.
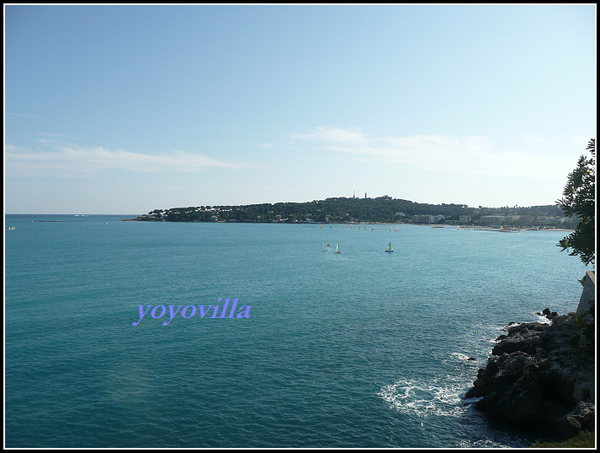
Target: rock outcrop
{"points": [[534, 376]]}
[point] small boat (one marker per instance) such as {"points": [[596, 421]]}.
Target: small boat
{"points": [[389, 249], [324, 248], [337, 248]]}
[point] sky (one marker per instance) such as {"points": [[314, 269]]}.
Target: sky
{"points": [[123, 109]]}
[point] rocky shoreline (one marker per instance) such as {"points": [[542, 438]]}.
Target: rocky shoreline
{"points": [[534, 377]]}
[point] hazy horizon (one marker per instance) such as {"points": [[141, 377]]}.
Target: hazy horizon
{"points": [[246, 204]]}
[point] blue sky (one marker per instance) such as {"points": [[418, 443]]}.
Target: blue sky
{"points": [[126, 109]]}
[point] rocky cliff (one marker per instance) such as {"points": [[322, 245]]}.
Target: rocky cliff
{"points": [[534, 377]]}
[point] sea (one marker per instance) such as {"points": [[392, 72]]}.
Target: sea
{"points": [[358, 349]]}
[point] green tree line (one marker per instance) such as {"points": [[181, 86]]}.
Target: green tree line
{"points": [[383, 209]]}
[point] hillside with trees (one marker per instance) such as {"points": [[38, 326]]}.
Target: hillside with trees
{"points": [[383, 209]]}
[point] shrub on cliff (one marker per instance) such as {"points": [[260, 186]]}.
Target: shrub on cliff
{"points": [[584, 341], [585, 439]]}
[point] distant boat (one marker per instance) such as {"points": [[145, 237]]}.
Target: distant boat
{"points": [[389, 249], [324, 248], [337, 248]]}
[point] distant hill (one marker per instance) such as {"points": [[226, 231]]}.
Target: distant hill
{"points": [[383, 209]]}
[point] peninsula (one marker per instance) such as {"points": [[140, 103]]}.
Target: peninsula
{"points": [[383, 209]]}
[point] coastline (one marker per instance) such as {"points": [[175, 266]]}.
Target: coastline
{"points": [[449, 226]]}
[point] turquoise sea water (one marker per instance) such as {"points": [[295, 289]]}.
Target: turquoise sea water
{"points": [[358, 349]]}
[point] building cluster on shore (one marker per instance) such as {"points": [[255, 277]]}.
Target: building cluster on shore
{"points": [[529, 221]]}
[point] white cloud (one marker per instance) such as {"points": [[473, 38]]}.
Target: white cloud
{"points": [[583, 140], [534, 139], [335, 135], [437, 153], [78, 161]]}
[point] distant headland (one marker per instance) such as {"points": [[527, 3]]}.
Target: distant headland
{"points": [[383, 209]]}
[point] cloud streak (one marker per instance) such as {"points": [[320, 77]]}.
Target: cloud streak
{"points": [[23, 115], [78, 161]]}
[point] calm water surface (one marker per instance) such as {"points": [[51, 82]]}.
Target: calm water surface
{"points": [[358, 349]]}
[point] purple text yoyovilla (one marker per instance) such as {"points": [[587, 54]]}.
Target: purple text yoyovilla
{"points": [[190, 310]]}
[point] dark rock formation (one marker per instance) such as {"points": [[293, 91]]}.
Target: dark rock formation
{"points": [[534, 376]]}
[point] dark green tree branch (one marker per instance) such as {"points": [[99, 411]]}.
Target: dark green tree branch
{"points": [[579, 200]]}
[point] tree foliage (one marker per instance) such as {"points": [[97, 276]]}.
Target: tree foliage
{"points": [[579, 200], [383, 209]]}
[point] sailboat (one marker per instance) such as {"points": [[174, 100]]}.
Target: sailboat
{"points": [[337, 248], [389, 249], [324, 248]]}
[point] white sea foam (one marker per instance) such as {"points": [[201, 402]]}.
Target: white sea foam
{"points": [[460, 356], [486, 443], [463, 358], [425, 398], [542, 319]]}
